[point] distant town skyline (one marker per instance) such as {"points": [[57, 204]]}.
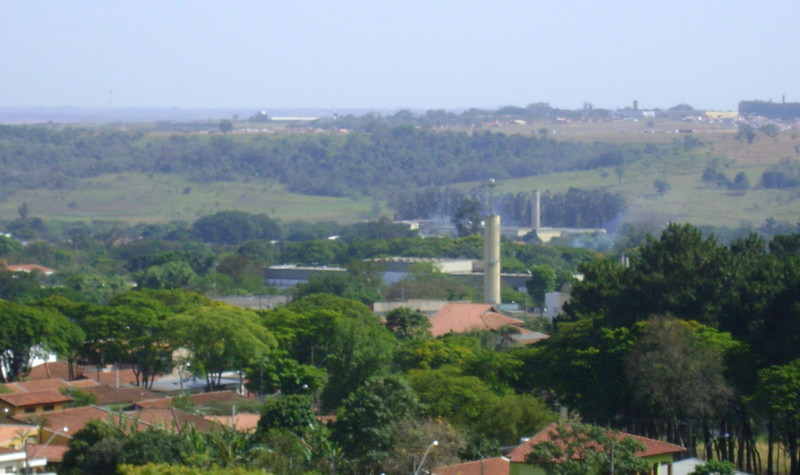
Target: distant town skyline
{"points": [[389, 55]]}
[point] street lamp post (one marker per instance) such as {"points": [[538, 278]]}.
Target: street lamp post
{"points": [[430, 446], [25, 444]]}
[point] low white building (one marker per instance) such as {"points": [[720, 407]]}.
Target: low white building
{"points": [[554, 303], [17, 461], [687, 466]]}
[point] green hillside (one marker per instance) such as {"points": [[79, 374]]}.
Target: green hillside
{"points": [[151, 176]]}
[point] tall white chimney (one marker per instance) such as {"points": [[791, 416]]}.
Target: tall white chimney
{"points": [[491, 260], [536, 210]]}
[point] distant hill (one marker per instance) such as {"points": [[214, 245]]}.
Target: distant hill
{"points": [[140, 172]]}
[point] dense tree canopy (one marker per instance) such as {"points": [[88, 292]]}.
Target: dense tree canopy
{"points": [[220, 338], [28, 332], [692, 339]]}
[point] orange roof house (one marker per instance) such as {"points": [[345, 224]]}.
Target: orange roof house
{"points": [[492, 466], [243, 422], [54, 454], [12, 436], [656, 452], [63, 424], [36, 402], [59, 369], [50, 369], [30, 268], [458, 317], [56, 369]]}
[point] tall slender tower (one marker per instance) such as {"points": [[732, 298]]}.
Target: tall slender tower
{"points": [[536, 210], [491, 260]]}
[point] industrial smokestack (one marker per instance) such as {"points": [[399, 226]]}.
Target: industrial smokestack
{"points": [[491, 260], [536, 210]]}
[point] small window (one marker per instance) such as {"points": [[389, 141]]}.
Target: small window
{"points": [[49, 407], [28, 410]]}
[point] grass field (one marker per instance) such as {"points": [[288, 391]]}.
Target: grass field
{"points": [[689, 198], [139, 198]]}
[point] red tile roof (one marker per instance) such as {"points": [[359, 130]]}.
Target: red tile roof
{"points": [[492, 466], [52, 452], [109, 395], [52, 369], [171, 419], [59, 369], [35, 398], [13, 434], [30, 268], [83, 383], [242, 422], [162, 402], [38, 385], [110, 377], [651, 446], [73, 418], [460, 317], [215, 396], [198, 399]]}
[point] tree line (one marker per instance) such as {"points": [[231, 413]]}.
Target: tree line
{"points": [[383, 162], [787, 111], [575, 208]]}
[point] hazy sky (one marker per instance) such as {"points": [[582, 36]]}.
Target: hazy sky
{"points": [[386, 54]]}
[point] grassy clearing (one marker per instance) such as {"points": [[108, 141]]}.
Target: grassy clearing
{"points": [[137, 198], [689, 198], [719, 138]]}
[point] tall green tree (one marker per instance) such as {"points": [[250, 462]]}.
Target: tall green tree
{"points": [[364, 426], [779, 394], [405, 323], [675, 369], [221, 338], [96, 448], [543, 280], [29, 332], [467, 217], [132, 329], [292, 412], [359, 350], [71, 345]]}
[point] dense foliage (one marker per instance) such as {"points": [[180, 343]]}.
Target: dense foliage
{"points": [[690, 340], [670, 345]]}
